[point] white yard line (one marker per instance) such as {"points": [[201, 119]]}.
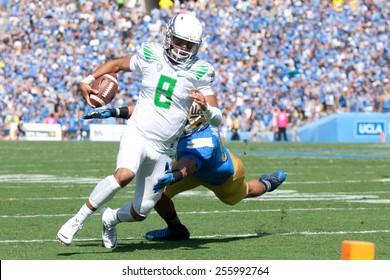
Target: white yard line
{"points": [[211, 212], [45, 179], [215, 236]]}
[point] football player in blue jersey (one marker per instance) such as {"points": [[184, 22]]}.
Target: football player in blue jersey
{"points": [[201, 159]]}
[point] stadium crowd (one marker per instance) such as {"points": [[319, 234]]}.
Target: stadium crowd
{"points": [[307, 58]]}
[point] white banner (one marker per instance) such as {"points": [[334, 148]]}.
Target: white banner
{"points": [[106, 132], [38, 131]]}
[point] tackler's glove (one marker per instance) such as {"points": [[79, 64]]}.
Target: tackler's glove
{"points": [[98, 114], [164, 180], [169, 177]]}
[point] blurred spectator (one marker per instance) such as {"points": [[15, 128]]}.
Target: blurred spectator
{"points": [[226, 126], [84, 130], [282, 121], [167, 4], [257, 129], [304, 54], [295, 123], [21, 131], [235, 128], [386, 102], [12, 117], [50, 119], [72, 126]]}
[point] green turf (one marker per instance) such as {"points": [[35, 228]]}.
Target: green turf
{"points": [[333, 192]]}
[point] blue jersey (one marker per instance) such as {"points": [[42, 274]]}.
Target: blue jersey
{"points": [[214, 164]]}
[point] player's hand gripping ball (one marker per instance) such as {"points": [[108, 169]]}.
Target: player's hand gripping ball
{"points": [[107, 85]]}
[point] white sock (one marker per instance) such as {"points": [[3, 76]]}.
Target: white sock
{"points": [[104, 191], [84, 213], [123, 213]]}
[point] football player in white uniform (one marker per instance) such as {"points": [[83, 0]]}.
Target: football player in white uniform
{"points": [[172, 78], [203, 160]]}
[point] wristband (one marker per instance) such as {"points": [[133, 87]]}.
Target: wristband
{"points": [[213, 115], [122, 112], [112, 112], [88, 80], [177, 175]]}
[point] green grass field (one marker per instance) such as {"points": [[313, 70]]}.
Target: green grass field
{"points": [[333, 192]]}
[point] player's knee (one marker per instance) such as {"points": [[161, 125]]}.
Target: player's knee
{"points": [[137, 217], [123, 176], [230, 201], [140, 212]]}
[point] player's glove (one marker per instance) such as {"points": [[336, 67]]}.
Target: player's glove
{"points": [[97, 114], [164, 180]]}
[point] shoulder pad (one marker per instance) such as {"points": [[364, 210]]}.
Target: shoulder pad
{"points": [[150, 51], [202, 70]]}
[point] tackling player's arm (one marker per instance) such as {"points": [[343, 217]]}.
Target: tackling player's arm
{"points": [[187, 166], [120, 64], [209, 105], [180, 169]]}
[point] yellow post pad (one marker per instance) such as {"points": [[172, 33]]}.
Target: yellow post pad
{"points": [[357, 250]]}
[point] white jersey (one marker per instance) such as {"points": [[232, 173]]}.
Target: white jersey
{"points": [[163, 103]]}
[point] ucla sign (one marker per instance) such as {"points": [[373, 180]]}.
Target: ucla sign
{"points": [[369, 128], [349, 128]]}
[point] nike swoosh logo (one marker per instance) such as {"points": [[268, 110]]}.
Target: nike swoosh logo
{"points": [[64, 236]]}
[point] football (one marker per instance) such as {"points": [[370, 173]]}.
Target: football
{"points": [[107, 85]]}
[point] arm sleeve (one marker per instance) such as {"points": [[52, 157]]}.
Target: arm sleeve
{"points": [[213, 115]]}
